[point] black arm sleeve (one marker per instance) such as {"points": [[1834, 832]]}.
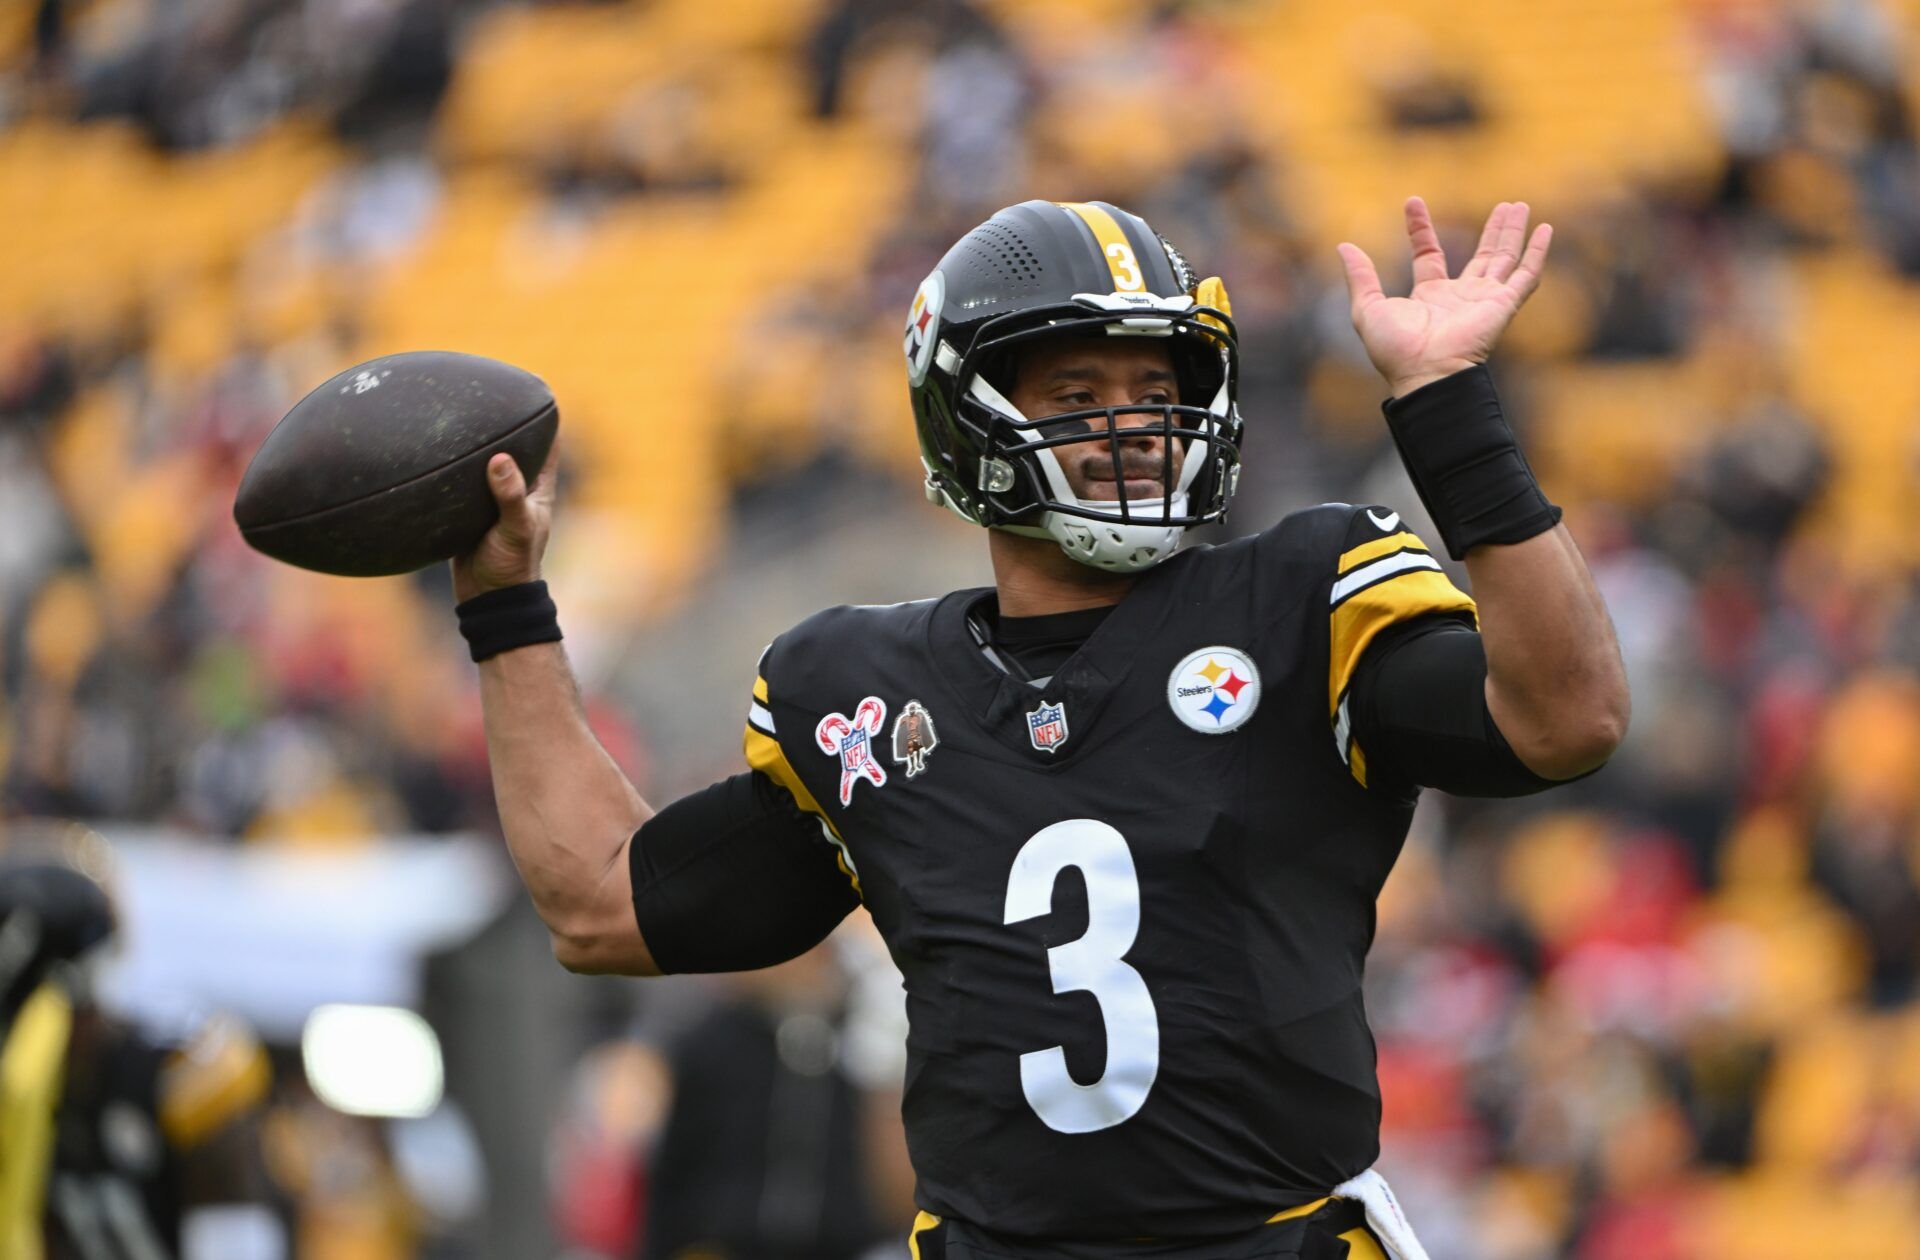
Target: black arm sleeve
{"points": [[733, 878], [1420, 713]]}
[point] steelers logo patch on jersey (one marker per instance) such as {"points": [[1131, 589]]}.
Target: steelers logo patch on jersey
{"points": [[923, 326], [1214, 690]]}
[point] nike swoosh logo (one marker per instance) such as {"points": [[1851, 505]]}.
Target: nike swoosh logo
{"points": [[1387, 522]]}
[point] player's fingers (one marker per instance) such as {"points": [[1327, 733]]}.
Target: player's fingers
{"points": [[1506, 252], [1527, 277], [1363, 282], [1429, 260], [509, 488], [1489, 237], [517, 518]]}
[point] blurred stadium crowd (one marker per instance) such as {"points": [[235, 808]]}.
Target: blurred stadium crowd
{"points": [[1670, 1012]]}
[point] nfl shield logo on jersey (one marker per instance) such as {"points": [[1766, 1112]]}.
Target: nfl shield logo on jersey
{"points": [[1047, 727]]}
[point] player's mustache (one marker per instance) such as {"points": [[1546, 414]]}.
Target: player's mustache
{"points": [[1131, 467]]}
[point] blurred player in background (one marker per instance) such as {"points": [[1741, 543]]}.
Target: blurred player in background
{"points": [[763, 1151], [114, 1145], [1122, 818]]}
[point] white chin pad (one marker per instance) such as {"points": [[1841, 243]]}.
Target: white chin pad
{"points": [[1112, 546], [1098, 539]]}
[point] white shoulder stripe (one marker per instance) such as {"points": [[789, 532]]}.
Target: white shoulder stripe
{"points": [[1385, 566], [760, 717]]}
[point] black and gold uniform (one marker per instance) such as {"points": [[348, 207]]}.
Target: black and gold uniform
{"points": [[1126, 859], [155, 1145], [116, 1145], [1132, 904]]}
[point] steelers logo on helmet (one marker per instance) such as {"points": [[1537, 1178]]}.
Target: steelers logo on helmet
{"points": [[923, 326], [1214, 690]]}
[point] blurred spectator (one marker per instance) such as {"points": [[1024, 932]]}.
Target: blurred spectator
{"points": [[972, 145]]}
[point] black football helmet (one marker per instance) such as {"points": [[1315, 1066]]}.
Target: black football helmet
{"points": [[1043, 269], [49, 914]]}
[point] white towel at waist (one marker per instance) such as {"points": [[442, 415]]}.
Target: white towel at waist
{"points": [[1384, 1216]]}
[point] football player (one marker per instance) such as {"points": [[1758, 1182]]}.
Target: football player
{"points": [[1121, 817], [115, 1145]]}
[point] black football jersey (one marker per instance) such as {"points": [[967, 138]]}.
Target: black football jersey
{"points": [[1132, 905]]}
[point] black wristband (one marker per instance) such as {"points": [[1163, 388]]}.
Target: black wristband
{"points": [[511, 617], [1465, 464]]}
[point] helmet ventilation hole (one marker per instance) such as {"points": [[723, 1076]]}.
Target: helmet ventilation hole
{"points": [[1005, 257]]}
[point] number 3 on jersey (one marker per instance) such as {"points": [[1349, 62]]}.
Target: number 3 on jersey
{"points": [[1092, 963]]}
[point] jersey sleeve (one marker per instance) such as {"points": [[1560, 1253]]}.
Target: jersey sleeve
{"points": [[1418, 703], [734, 878], [1382, 576], [766, 755]]}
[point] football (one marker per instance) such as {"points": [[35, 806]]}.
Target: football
{"points": [[382, 469]]}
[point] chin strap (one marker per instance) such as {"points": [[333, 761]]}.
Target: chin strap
{"points": [[1079, 541], [1113, 547]]}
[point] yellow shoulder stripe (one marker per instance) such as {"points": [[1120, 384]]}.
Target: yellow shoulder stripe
{"points": [[1365, 613], [1121, 262], [760, 689], [1357, 762], [205, 1085], [765, 755], [1366, 551]]}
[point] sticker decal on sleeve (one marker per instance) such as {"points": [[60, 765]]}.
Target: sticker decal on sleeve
{"points": [[1214, 690], [851, 739], [914, 738]]}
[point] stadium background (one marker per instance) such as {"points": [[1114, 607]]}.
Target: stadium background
{"points": [[1670, 1012]]}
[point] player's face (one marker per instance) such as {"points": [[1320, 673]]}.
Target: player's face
{"points": [[1062, 376]]}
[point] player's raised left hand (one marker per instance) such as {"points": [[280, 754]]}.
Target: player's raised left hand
{"points": [[1446, 324]]}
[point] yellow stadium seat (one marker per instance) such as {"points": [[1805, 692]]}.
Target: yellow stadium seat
{"points": [[1571, 94], [1770, 1215], [1856, 318]]}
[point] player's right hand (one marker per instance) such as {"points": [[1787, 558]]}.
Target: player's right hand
{"points": [[511, 551]]}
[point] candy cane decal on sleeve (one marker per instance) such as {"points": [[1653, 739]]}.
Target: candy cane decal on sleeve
{"points": [[851, 739]]}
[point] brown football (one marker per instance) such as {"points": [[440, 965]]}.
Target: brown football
{"points": [[383, 469]]}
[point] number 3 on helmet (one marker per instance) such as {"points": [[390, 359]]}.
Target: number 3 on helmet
{"points": [[1043, 269]]}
